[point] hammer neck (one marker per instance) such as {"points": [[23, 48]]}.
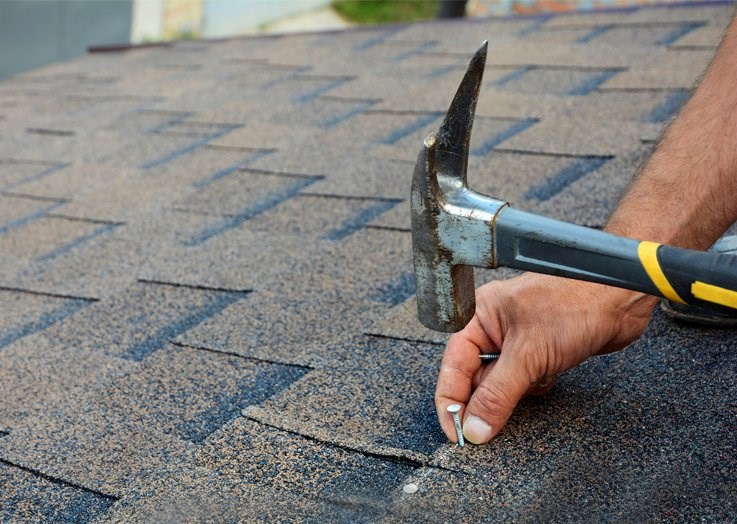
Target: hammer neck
{"points": [[467, 225]]}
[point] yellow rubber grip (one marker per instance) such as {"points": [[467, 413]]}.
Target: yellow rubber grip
{"points": [[648, 253], [714, 294]]}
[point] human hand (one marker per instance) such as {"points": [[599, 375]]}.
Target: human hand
{"points": [[542, 325]]}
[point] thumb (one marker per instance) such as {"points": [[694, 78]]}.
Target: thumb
{"points": [[494, 399]]}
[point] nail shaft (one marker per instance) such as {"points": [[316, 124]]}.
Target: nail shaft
{"points": [[454, 410]]}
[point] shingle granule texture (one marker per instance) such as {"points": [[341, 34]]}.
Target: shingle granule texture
{"points": [[207, 297]]}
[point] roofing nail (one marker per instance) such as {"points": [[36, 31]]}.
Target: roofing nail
{"points": [[454, 409]]}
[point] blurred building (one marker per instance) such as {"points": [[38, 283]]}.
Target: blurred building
{"points": [[38, 32]]}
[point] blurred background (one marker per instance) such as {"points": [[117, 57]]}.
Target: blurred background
{"points": [[38, 32]]}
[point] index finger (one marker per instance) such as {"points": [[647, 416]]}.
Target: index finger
{"points": [[460, 363]]}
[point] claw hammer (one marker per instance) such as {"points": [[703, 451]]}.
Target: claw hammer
{"points": [[455, 228]]}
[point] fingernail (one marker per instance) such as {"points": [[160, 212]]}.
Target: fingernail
{"points": [[476, 430]]}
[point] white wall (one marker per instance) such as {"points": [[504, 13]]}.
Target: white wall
{"points": [[148, 20], [233, 17]]}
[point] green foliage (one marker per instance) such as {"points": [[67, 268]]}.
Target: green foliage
{"points": [[386, 11]]}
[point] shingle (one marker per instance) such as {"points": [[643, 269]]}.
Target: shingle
{"points": [[368, 407], [176, 397], [579, 137], [286, 320], [47, 237], [104, 452], [677, 68], [707, 36], [367, 176], [257, 454], [141, 321], [196, 494], [27, 497], [38, 373], [25, 313]]}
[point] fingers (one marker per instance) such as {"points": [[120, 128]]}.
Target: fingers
{"points": [[459, 365], [493, 401]]}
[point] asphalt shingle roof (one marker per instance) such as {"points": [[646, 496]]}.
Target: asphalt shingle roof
{"points": [[206, 288]]}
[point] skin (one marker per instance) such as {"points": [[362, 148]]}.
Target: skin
{"points": [[546, 325]]}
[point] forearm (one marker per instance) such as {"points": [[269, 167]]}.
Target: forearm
{"points": [[686, 193]]}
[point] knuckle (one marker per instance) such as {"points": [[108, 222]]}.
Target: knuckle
{"points": [[490, 401], [534, 363]]}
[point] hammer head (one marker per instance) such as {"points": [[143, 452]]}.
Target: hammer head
{"points": [[451, 232]]}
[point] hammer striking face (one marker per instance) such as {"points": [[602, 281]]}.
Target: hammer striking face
{"points": [[455, 228]]}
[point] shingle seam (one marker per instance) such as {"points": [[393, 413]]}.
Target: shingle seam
{"points": [[46, 294], [245, 149], [284, 174], [389, 228], [49, 132], [28, 161], [175, 342], [395, 455], [59, 481], [618, 89], [351, 197], [192, 286], [115, 98], [692, 47], [559, 67], [515, 151], [244, 60], [27, 196], [404, 339], [404, 112], [554, 153], [625, 25], [86, 220], [348, 99]]}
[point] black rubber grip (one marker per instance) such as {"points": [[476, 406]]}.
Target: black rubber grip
{"points": [[713, 274]]}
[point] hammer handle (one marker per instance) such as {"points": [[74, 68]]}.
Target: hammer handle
{"points": [[543, 245]]}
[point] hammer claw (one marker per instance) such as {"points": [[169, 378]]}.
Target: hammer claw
{"points": [[454, 136]]}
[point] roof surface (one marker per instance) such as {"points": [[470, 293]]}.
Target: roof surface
{"points": [[207, 291]]}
